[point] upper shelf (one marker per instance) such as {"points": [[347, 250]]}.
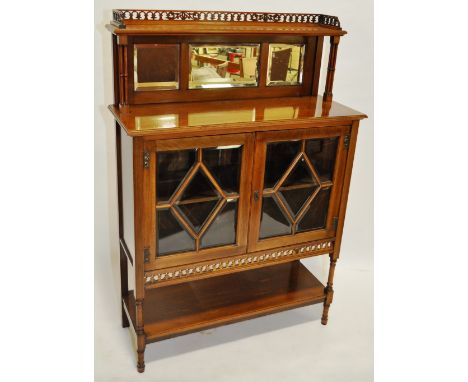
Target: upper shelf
{"points": [[223, 117], [164, 22]]}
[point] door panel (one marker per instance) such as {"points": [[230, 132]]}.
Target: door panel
{"points": [[202, 193], [297, 185]]}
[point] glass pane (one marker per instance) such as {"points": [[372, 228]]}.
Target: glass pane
{"points": [[322, 153], [156, 66], [316, 215], [197, 213], [296, 197], [223, 229], [285, 62], [199, 187], [299, 185], [279, 156], [300, 175], [273, 221], [223, 66], [172, 166], [224, 163], [171, 237]]}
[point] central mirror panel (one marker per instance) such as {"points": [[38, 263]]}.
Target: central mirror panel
{"points": [[223, 66]]}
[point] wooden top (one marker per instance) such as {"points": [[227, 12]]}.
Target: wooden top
{"points": [[138, 21], [227, 117]]}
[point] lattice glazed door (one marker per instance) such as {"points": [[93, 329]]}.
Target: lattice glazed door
{"points": [[201, 196], [297, 193]]}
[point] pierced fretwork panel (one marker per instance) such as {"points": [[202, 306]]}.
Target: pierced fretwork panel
{"points": [[197, 194], [297, 186]]}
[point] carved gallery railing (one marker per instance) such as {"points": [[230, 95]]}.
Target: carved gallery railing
{"points": [[164, 15]]}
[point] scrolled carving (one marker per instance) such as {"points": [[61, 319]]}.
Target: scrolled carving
{"points": [[119, 15]]}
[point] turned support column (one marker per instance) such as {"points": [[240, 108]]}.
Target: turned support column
{"points": [[328, 94], [141, 340], [122, 43], [329, 289]]}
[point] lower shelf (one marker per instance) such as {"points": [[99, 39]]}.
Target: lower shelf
{"points": [[184, 308]]}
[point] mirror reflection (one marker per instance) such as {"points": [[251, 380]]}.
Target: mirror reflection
{"points": [[223, 66], [285, 63], [156, 66]]}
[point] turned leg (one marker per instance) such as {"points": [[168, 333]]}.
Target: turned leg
{"points": [[143, 240], [329, 290], [141, 340], [141, 353]]}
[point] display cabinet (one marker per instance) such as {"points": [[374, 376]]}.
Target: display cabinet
{"points": [[231, 167]]}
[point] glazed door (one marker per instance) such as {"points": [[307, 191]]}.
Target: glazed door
{"points": [[297, 186], [200, 193]]}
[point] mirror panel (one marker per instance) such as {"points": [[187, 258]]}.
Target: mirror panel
{"points": [[156, 67], [223, 66], [285, 64]]}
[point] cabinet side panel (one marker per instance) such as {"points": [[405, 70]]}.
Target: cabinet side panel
{"points": [[127, 192], [131, 277]]}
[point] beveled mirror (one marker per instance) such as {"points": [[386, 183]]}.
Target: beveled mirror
{"points": [[223, 66], [156, 67], [285, 64]]}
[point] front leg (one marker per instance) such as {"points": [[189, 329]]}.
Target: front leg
{"points": [[141, 339], [141, 353], [329, 289]]}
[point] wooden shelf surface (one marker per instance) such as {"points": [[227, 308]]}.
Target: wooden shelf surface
{"points": [[177, 119], [184, 308]]}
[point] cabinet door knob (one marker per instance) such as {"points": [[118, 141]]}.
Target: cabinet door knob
{"points": [[256, 196]]}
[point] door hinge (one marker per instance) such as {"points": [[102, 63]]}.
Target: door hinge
{"points": [[335, 223], [346, 141], [146, 159], [146, 254]]}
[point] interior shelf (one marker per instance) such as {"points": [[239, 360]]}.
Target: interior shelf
{"points": [[184, 308]]}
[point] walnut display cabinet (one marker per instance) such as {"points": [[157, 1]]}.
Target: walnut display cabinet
{"points": [[231, 167]]}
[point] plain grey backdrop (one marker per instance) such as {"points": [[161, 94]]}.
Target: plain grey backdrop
{"points": [[283, 346]]}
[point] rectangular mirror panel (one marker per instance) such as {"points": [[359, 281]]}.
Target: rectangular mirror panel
{"points": [[223, 66], [156, 67], [285, 64]]}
